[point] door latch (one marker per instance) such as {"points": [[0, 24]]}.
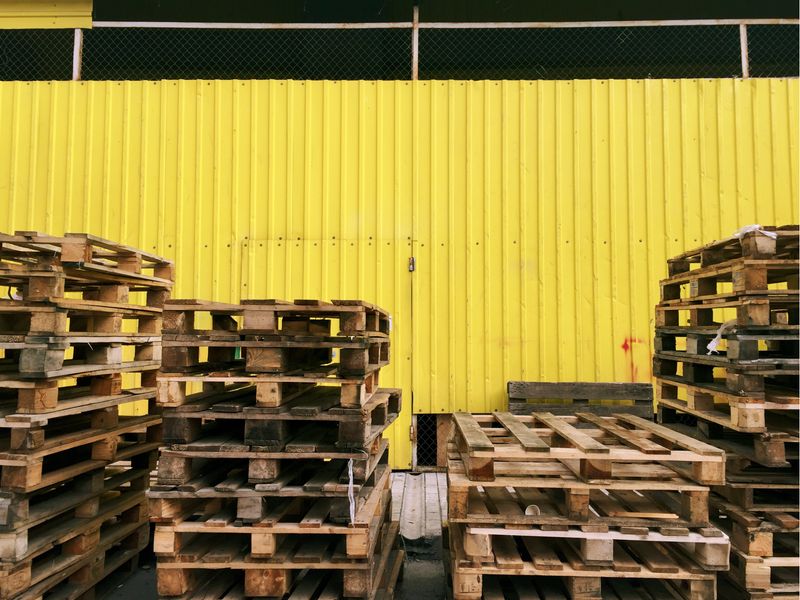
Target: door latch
{"points": [[412, 264]]}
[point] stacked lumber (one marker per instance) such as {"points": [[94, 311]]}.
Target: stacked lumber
{"points": [[274, 478], [81, 312], [743, 397], [581, 506]]}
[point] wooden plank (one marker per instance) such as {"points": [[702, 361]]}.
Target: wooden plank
{"points": [[626, 436], [471, 432], [572, 435], [579, 390], [680, 439], [527, 438]]}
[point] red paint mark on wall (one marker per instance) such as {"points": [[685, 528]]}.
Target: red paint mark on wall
{"points": [[627, 348]]}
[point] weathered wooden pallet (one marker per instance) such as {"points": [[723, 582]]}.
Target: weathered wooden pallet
{"points": [[355, 317], [751, 375], [762, 490], [67, 317], [757, 533], [525, 397], [681, 500], [34, 540], [728, 588], [757, 573], [531, 557], [53, 356], [556, 510], [70, 543], [180, 463], [272, 390], [286, 520], [777, 309], [592, 447], [274, 576], [64, 456], [250, 506], [597, 545], [71, 575], [236, 413], [774, 409], [734, 278], [274, 353], [45, 266], [98, 388], [751, 246], [77, 496], [503, 587], [775, 345]]}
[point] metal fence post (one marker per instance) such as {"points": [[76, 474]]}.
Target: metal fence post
{"points": [[745, 55], [415, 44], [77, 55]]}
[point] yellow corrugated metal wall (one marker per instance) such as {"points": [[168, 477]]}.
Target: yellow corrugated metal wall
{"points": [[544, 213], [540, 213], [46, 14]]}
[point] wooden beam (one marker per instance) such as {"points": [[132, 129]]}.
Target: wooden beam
{"points": [[415, 44]]}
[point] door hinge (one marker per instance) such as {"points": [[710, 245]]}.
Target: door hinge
{"points": [[412, 264]]}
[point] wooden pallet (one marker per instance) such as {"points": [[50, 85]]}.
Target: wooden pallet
{"points": [[748, 348], [44, 266], [741, 376], [285, 522], [274, 353], [76, 496], [272, 390], [774, 409], [730, 589], [678, 501], [48, 357], [753, 245], [766, 574], [182, 463], [592, 447], [69, 454], [762, 490], [235, 413], [353, 317], [274, 577], [71, 576], [502, 587], [597, 545], [71, 543], [67, 317], [96, 389], [777, 309], [168, 504], [734, 278], [757, 533], [529, 557], [773, 449], [554, 509], [525, 397]]}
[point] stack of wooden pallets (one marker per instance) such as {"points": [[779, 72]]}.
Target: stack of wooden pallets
{"points": [[581, 506], [743, 397], [274, 479], [78, 313]]}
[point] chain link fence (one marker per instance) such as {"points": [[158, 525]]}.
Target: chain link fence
{"points": [[621, 52], [36, 54], [140, 53]]}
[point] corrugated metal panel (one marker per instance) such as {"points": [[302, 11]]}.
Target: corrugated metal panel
{"points": [[544, 213], [45, 14], [541, 212]]}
